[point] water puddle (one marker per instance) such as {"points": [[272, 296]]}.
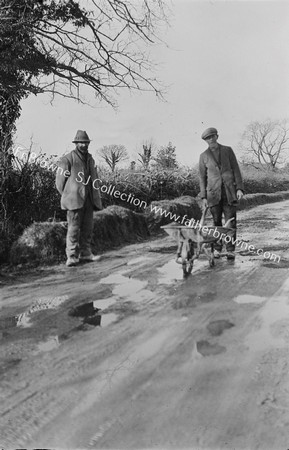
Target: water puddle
{"points": [[130, 289], [246, 298], [93, 315], [171, 271], [107, 319], [216, 327], [50, 344], [103, 303], [85, 310], [24, 319], [192, 300], [271, 317], [207, 349]]}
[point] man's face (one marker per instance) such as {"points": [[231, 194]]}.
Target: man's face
{"points": [[212, 141], [82, 146]]}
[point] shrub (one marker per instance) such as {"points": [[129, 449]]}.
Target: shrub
{"points": [[148, 186], [259, 181]]}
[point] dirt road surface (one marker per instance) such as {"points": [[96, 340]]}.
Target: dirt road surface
{"points": [[125, 353]]}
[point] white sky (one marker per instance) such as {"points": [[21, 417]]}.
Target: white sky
{"points": [[226, 64]]}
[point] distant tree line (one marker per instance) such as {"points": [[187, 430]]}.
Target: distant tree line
{"points": [[164, 158]]}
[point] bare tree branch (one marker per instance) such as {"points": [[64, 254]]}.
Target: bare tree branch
{"points": [[113, 155], [266, 142]]}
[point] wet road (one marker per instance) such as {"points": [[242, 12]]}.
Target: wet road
{"points": [[125, 353]]}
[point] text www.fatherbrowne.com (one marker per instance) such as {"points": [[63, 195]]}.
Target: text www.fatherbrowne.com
{"points": [[183, 220], [209, 231], [129, 198]]}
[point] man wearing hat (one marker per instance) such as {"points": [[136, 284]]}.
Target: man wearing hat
{"points": [[79, 199], [221, 185]]}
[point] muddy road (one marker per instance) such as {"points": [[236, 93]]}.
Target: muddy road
{"points": [[125, 353]]}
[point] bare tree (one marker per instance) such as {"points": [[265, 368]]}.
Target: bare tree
{"points": [[85, 50], [113, 154], [93, 43], [264, 144], [72, 48]]}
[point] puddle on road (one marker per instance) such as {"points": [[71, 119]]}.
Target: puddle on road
{"points": [[107, 319], [246, 298], [207, 349], [172, 271], [216, 327], [89, 314], [128, 289], [92, 315], [23, 320], [272, 316], [192, 300], [84, 310], [103, 303], [50, 344]]}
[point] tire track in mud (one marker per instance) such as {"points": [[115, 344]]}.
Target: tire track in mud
{"points": [[43, 402], [19, 410], [105, 427], [90, 357], [136, 366], [13, 403], [23, 409]]}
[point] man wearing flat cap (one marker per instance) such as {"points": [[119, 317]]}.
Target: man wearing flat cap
{"points": [[221, 185], [78, 185]]}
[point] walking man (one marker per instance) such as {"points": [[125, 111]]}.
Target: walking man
{"points": [[221, 185], [79, 199]]}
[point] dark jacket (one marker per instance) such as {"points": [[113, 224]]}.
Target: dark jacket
{"points": [[72, 173], [212, 177]]}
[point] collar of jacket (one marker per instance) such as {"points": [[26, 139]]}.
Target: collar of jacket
{"points": [[82, 156], [213, 156], [218, 147]]}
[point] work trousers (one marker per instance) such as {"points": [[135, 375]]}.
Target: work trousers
{"points": [[80, 230], [229, 211]]}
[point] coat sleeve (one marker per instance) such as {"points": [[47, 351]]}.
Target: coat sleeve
{"points": [[203, 177], [236, 170], [63, 171], [95, 177], [96, 187]]}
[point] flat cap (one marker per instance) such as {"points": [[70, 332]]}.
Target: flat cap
{"points": [[209, 132]]}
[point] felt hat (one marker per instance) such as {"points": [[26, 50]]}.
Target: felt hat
{"points": [[81, 136], [208, 132]]}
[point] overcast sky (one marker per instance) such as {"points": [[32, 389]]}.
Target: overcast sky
{"points": [[226, 64]]}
